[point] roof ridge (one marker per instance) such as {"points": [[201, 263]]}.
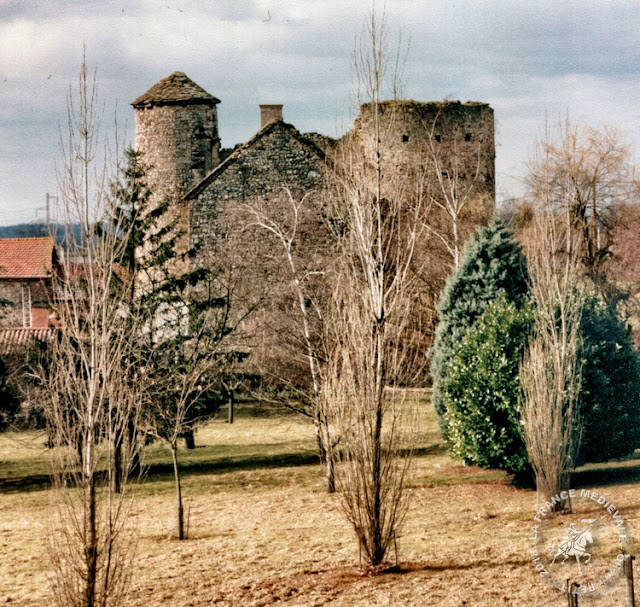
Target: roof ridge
{"points": [[27, 238], [196, 189]]}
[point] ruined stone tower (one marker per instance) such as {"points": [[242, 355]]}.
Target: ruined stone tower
{"points": [[457, 138], [177, 131]]}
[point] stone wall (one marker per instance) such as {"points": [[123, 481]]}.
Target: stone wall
{"points": [[436, 153], [11, 316], [460, 135], [180, 143], [261, 171], [278, 165]]}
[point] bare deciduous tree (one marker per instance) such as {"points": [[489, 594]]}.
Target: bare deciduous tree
{"points": [[585, 173], [88, 383], [185, 362], [373, 349], [550, 372], [308, 321], [185, 351]]}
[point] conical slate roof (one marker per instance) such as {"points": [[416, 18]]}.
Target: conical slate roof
{"points": [[176, 89]]}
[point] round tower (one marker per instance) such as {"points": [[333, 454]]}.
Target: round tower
{"points": [[177, 132]]}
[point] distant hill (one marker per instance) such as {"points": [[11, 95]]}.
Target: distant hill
{"points": [[33, 230]]}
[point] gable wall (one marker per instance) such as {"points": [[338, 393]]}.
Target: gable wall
{"points": [[259, 174], [249, 257]]}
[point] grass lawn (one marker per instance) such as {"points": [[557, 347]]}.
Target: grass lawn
{"points": [[262, 529]]}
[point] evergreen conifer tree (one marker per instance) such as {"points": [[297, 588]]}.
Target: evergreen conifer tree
{"points": [[610, 391], [182, 352], [492, 264]]}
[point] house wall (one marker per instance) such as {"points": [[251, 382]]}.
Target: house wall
{"points": [[264, 175], [11, 290], [262, 172]]}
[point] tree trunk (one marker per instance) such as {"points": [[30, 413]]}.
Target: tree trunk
{"points": [[325, 449], [189, 439], [230, 414], [133, 447], [91, 538], [331, 474], [378, 549], [116, 473], [176, 473]]}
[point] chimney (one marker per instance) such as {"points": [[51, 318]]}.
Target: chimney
{"points": [[269, 114]]}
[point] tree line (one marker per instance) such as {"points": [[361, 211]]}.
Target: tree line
{"points": [[534, 365]]}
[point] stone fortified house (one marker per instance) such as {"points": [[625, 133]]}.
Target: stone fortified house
{"points": [[177, 131]]}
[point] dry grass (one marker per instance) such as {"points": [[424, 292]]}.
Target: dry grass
{"points": [[263, 530]]}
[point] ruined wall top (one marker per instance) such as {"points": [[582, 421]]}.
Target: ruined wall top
{"points": [[422, 105]]}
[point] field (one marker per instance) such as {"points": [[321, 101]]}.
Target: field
{"points": [[263, 531]]}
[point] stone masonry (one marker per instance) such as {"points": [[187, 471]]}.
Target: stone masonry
{"points": [[459, 135], [278, 159], [177, 130]]}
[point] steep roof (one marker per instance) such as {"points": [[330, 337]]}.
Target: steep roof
{"points": [[26, 257], [175, 90], [243, 149]]}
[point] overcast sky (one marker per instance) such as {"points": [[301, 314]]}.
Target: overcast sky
{"points": [[529, 59]]}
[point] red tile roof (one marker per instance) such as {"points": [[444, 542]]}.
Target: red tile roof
{"points": [[10, 339], [26, 257]]}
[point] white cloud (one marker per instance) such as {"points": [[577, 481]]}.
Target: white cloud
{"points": [[528, 59]]}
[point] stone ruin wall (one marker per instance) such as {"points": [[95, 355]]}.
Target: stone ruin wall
{"points": [[412, 132], [417, 141]]}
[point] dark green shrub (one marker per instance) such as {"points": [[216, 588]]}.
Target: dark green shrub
{"points": [[492, 264], [610, 393], [480, 391]]}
